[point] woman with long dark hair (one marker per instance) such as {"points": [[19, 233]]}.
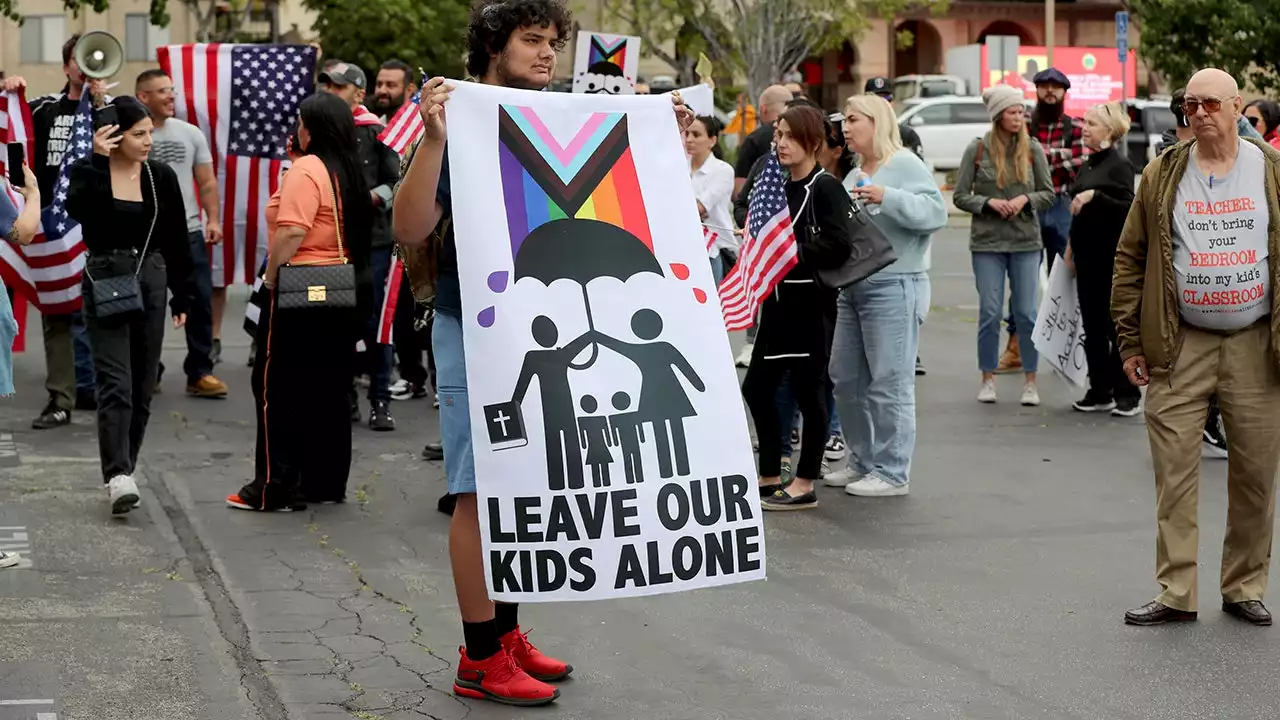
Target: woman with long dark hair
{"points": [[793, 340], [134, 226], [1264, 116], [306, 354]]}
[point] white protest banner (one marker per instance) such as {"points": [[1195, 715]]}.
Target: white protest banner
{"points": [[700, 98], [611, 448], [606, 64], [1059, 334]]}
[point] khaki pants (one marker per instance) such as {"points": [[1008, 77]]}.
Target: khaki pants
{"points": [[1241, 370], [60, 360]]}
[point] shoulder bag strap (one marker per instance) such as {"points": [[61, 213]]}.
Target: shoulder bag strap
{"points": [[337, 217], [155, 200]]}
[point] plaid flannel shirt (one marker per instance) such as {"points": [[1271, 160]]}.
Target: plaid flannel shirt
{"points": [[1066, 154]]}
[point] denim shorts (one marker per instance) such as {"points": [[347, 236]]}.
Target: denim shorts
{"points": [[455, 417]]}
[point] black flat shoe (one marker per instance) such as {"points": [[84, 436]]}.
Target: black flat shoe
{"points": [[780, 500], [768, 490], [1156, 613], [1250, 611]]}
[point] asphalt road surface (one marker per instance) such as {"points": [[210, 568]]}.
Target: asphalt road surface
{"points": [[995, 590]]}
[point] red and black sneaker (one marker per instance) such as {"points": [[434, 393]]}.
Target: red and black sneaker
{"points": [[500, 679], [539, 666]]}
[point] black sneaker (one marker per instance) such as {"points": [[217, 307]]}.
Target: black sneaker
{"points": [[780, 500], [1127, 406], [380, 416], [433, 451], [1215, 441], [86, 400], [1094, 402], [52, 417]]}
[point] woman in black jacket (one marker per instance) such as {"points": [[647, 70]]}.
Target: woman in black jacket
{"points": [[1103, 192], [797, 320], [134, 225]]}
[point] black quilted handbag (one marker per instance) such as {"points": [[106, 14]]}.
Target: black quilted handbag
{"points": [[319, 285], [121, 294]]}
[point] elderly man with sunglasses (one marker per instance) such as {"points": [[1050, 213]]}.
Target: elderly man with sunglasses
{"points": [[1195, 308]]}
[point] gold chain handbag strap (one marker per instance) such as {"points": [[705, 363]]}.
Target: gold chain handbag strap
{"points": [[337, 217]]}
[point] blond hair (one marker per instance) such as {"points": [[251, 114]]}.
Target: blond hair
{"points": [[887, 139], [1001, 156], [1113, 117]]}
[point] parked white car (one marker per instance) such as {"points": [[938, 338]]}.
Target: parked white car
{"points": [[946, 126]]}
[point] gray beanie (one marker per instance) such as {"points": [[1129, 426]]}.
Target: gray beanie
{"points": [[999, 98]]}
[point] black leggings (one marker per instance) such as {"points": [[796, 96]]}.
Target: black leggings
{"points": [[808, 378], [1102, 353]]}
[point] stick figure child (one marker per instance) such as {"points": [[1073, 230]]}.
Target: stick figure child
{"points": [[593, 430], [628, 433]]}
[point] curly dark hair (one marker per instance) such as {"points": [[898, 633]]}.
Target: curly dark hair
{"points": [[493, 22]]}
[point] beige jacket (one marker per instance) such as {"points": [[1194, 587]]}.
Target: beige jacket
{"points": [[1144, 295]]}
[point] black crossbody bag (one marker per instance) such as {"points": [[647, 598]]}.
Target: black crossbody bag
{"points": [[869, 250], [320, 284], [120, 294]]}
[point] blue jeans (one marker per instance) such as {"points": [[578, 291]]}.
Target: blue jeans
{"points": [[873, 361], [989, 272], [455, 415], [717, 269], [789, 413], [378, 355], [1055, 233], [199, 327]]}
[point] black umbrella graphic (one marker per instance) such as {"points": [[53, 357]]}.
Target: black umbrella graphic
{"points": [[582, 250]]}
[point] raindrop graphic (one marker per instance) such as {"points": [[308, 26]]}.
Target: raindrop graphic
{"points": [[680, 270], [487, 316], [700, 296], [497, 282]]}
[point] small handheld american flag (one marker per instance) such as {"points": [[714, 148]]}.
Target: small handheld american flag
{"points": [[768, 249], [405, 127]]}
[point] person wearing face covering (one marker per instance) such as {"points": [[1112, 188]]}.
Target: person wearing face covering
{"points": [[132, 216]]}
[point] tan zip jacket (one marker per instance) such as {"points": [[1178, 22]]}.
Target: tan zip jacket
{"points": [[1144, 295]]}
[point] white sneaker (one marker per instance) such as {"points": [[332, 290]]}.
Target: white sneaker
{"points": [[841, 478], [9, 559], [875, 486], [123, 493], [987, 393], [744, 355], [1030, 395]]}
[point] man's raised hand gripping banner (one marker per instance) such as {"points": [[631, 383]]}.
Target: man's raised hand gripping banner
{"points": [[611, 448]]}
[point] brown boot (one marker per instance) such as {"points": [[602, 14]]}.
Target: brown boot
{"points": [[1011, 361]]}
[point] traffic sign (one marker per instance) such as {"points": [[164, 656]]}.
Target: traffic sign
{"points": [[1122, 35]]}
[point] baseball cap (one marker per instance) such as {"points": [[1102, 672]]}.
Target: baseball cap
{"points": [[1052, 76], [877, 86], [344, 74]]}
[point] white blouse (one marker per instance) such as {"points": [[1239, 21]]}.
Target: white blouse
{"points": [[713, 187]]}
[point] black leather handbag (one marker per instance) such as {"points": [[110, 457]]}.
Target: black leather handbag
{"points": [[321, 284], [869, 252], [121, 294]]}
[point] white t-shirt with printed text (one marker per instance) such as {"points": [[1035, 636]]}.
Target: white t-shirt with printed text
{"points": [[1220, 244]]}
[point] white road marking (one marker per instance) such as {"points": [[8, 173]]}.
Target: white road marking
{"points": [[27, 702]]}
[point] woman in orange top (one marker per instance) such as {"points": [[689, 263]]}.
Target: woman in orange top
{"points": [[306, 357]]}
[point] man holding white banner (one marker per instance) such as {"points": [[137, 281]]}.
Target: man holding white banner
{"points": [[513, 45]]}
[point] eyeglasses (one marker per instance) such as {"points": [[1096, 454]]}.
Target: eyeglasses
{"points": [[1191, 107]]}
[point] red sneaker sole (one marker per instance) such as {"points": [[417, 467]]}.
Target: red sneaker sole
{"points": [[568, 670], [479, 693]]}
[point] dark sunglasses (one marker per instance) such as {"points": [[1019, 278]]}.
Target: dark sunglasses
{"points": [[1191, 107], [1253, 120]]}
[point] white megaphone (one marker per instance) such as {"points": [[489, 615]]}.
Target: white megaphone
{"points": [[99, 54]]}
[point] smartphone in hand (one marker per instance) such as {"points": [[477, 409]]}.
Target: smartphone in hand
{"points": [[17, 156]]}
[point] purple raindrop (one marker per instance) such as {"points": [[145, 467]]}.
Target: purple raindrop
{"points": [[486, 317], [498, 281]]}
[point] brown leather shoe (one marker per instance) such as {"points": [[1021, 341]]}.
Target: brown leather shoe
{"points": [[1157, 613], [1011, 360], [1250, 611], [207, 387]]}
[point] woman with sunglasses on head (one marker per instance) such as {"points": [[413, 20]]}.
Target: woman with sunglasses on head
{"points": [[713, 189], [1264, 116], [793, 341], [306, 355], [134, 226]]}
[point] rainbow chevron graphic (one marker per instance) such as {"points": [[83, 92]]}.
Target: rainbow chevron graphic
{"points": [[592, 177], [604, 51]]}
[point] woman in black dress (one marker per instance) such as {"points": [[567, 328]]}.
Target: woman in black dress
{"points": [[1103, 192], [134, 224], [797, 320]]}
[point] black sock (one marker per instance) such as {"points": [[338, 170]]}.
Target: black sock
{"points": [[481, 640], [506, 617]]}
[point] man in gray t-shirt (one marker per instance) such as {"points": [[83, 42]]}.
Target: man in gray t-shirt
{"points": [[183, 147]]}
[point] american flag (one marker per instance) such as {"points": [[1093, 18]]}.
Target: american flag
{"points": [[405, 126], [48, 270], [245, 100], [768, 250]]}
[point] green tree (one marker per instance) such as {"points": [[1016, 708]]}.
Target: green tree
{"points": [[368, 32], [1180, 37]]}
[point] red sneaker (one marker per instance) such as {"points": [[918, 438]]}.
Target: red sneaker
{"points": [[539, 666], [500, 679]]}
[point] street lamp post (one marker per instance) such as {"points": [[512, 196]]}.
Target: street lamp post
{"points": [[1049, 25]]}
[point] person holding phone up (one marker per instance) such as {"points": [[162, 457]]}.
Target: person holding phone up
{"points": [[135, 228]]}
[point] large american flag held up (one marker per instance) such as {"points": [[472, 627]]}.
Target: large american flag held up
{"points": [[245, 99], [768, 250], [48, 270]]}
